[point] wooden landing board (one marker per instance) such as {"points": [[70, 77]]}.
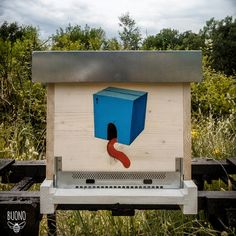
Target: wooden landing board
{"points": [[164, 138]]}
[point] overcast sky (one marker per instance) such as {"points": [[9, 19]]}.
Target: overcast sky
{"points": [[150, 15]]}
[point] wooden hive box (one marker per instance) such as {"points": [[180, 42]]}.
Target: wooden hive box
{"points": [[74, 77]]}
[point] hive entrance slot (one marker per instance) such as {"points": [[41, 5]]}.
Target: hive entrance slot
{"points": [[147, 181], [90, 181], [111, 131]]}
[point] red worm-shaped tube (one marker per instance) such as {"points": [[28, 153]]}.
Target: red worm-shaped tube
{"points": [[117, 154]]}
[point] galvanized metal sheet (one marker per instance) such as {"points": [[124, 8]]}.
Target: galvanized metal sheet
{"points": [[116, 66], [109, 179]]}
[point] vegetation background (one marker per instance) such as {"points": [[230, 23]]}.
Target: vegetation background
{"points": [[23, 109]]}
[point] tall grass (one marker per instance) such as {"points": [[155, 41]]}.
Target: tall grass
{"points": [[143, 223], [18, 141], [214, 138]]}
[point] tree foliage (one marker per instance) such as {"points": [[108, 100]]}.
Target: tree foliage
{"points": [[130, 34], [78, 38], [112, 44], [216, 40], [21, 102], [170, 39], [190, 41], [220, 44], [166, 39], [215, 96]]}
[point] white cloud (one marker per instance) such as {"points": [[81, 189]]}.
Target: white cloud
{"points": [[150, 15]]}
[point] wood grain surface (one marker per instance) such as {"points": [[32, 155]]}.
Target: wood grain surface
{"points": [[165, 137]]}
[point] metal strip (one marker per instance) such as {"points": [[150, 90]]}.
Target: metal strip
{"points": [[117, 66], [57, 170], [127, 180]]}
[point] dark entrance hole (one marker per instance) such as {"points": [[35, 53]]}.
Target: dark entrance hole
{"points": [[111, 131]]}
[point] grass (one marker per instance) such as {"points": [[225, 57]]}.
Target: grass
{"points": [[18, 141], [214, 138], [143, 223]]}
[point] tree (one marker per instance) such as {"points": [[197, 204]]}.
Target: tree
{"points": [[168, 39], [9, 34], [220, 46], [77, 38], [150, 43], [130, 34], [190, 41], [165, 40], [215, 95], [16, 46], [112, 44], [171, 39], [22, 103]]}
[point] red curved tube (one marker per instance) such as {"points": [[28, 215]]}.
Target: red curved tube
{"points": [[117, 154]]}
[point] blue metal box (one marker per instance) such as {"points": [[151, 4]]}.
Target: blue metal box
{"points": [[119, 113]]}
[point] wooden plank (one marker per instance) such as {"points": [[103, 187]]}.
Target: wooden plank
{"points": [[29, 168], [216, 200], [50, 131], [5, 164], [211, 168], [19, 195], [155, 149], [24, 184], [232, 161], [187, 130], [225, 195]]}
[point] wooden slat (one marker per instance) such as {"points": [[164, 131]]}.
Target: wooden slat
{"points": [[50, 131], [187, 130], [211, 167], [215, 201], [19, 194], [232, 161], [5, 164], [24, 184], [21, 169]]}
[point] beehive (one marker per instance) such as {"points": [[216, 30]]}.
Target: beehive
{"points": [[140, 98]]}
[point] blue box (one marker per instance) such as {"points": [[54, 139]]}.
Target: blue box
{"points": [[119, 113]]}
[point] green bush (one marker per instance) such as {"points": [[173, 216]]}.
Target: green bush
{"points": [[215, 96]]}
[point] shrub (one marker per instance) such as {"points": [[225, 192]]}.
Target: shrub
{"points": [[215, 96]]}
